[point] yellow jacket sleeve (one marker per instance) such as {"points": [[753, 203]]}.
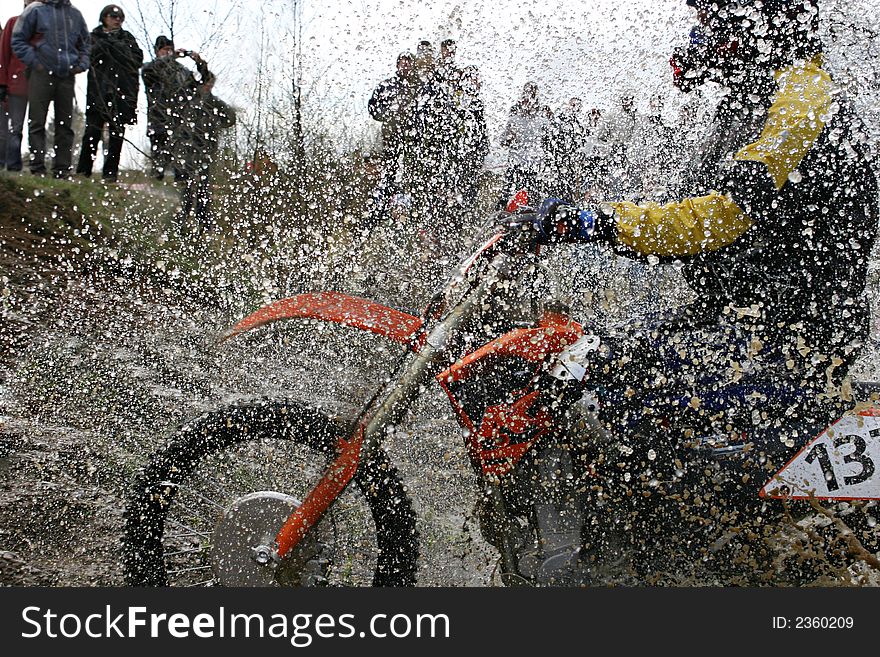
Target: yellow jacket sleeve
{"points": [[802, 106], [685, 228]]}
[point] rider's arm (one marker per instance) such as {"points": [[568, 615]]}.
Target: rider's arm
{"points": [[684, 228], [758, 171]]}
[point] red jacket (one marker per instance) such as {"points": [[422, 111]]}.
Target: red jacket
{"points": [[11, 68]]}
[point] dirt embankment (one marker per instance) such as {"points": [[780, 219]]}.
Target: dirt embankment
{"points": [[48, 228], [43, 225], [43, 236]]}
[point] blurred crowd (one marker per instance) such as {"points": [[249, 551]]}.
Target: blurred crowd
{"points": [[433, 160], [435, 142], [434, 136], [585, 155]]}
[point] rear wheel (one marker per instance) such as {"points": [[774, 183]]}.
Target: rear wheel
{"points": [[205, 509]]}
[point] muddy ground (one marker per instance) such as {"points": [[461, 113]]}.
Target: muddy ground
{"points": [[102, 360], [82, 411]]}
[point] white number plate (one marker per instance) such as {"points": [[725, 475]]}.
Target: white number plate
{"points": [[840, 464]]}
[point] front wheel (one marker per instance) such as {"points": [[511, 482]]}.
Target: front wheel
{"points": [[205, 508]]}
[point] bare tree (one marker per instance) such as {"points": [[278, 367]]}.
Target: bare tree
{"points": [[296, 80], [167, 12]]}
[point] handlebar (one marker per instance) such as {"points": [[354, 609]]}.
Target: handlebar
{"points": [[517, 233]]}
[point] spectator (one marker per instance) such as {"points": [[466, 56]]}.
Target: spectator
{"points": [[378, 198], [421, 172], [437, 142], [618, 133], [393, 104], [524, 141], [112, 91], [693, 146], [13, 99], [564, 148], [656, 151], [595, 171], [168, 84], [425, 62], [446, 71], [194, 149], [453, 143], [473, 139], [52, 41]]}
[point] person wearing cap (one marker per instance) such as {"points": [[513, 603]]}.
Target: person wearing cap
{"points": [[446, 71], [563, 144], [393, 105], [52, 41], [472, 138], [619, 132], [113, 85], [442, 119], [13, 99], [523, 138], [425, 62], [169, 85]]}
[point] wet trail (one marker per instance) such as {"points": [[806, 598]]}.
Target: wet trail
{"points": [[105, 366], [117, 367]]}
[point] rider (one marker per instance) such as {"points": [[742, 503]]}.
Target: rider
{"points": [[775, 248]]}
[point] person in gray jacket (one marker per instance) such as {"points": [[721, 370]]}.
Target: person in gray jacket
{"points": [[524, 139], [51, 39], [195, 146]]}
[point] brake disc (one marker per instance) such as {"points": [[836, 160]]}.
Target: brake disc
{"points": [[243, 551]]}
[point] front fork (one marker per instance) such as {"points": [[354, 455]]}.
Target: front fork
{"points": [[369, 433]]}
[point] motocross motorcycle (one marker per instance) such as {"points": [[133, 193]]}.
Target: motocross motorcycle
{"points": [[510, 361]]}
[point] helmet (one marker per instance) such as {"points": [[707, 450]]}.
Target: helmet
{"points": [[735, 36]]}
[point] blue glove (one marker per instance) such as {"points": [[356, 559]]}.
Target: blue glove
{"points": [[559, 221]]}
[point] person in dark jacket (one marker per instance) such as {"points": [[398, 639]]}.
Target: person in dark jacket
{"points": [[13, 99], [446, 71], [775, 249], [52, 41], [563, 144], [471, 144], [524, 139], [194, 149], [393, 105], [169, 85], [112, 94]]}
